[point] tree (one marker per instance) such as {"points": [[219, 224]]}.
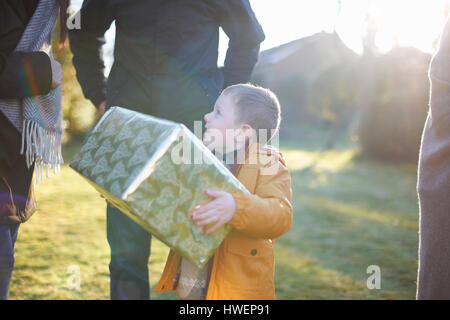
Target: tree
{"points": [[79, 114]]}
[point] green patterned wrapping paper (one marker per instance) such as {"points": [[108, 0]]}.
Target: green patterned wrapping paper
{"points": [[155, 171]]}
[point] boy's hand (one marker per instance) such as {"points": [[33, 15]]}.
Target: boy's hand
{"points": [[218, 211]]}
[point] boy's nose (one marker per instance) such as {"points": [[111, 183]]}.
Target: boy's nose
{"points": [[206, 117]]}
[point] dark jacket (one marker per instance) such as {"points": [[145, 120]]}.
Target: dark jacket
{"points": [[165, 55], [17, 71]]}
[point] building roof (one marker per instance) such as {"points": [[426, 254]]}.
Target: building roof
{"points": [[279, 53]]}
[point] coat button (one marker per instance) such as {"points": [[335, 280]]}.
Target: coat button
{"points": [[253, 252]]}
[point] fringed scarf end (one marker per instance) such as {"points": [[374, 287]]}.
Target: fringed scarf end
{"points": [[41, 147]]}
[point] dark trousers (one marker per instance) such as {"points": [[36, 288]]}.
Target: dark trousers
{"points": [[130, 251], [8, 237]]}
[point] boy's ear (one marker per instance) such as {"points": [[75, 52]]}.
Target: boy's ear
{"points": [[247, 130]]}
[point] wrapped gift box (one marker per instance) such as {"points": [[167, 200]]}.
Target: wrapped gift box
{"points": [[155, 171]]}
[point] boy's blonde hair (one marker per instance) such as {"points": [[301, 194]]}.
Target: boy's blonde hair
{"points": [[257, 106]]}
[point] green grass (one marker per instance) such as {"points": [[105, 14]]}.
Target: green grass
{"points": [[348, 214]]}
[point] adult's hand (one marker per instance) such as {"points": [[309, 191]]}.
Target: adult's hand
{"points": [[56, 73], [101, 107]]}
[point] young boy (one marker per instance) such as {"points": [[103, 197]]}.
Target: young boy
{"points": [[243, 265]]}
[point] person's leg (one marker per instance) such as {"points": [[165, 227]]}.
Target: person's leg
{"points": [[130, 251], [8, 237]]}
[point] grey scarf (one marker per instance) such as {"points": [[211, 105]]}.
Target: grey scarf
{"points": [[39, 118]]}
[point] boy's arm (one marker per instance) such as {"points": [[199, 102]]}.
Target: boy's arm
{"points": [[86, 45], [267, 213], [238, 21]]}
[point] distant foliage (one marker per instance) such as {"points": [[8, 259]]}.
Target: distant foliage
{"points": [[391, 124], [381, 100], [292, 91], [79, 113], [314, 78], [335, 94]]}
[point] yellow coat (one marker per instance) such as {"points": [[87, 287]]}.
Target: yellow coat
{"points": [[243, 265]]}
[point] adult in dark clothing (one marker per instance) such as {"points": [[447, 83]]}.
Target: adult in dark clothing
{"points": [[17, 71], [165, 64]]}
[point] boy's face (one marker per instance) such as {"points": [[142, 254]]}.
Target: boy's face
{"points": [[220, 121]]}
